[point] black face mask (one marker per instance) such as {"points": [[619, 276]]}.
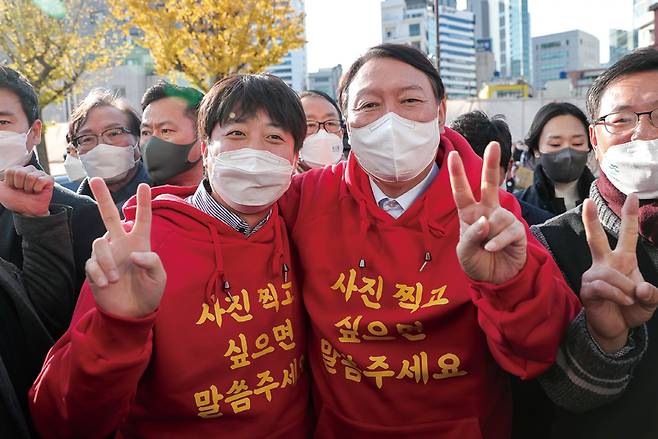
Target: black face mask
{"points": [[164, 160], [565, 165]]}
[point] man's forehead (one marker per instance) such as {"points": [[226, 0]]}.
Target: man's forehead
{"points": [[10, 102], [636, 90], [162, 108]]}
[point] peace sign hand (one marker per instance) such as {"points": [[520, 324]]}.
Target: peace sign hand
{"points": [[613, 291], [492, 241], [125, 276]]}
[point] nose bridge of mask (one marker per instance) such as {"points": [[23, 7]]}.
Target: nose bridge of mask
{"points": [[253, 161]]}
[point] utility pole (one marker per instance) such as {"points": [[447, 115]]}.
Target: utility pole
{"points": [[438, 38]]}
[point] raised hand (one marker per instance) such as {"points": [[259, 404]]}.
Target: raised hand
{"points": [[26, 190], [126, 277], [492, 241], [613, 291]]}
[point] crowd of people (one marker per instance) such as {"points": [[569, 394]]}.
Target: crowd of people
{"points": [[373, 266]]}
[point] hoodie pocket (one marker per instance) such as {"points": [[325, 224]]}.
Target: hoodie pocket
{"points": [[333, 425]]}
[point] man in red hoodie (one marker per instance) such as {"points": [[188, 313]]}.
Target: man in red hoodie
{"points": [[408, 337], [219, 350]]}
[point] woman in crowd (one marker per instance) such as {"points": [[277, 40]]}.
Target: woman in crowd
{"points": [[559, 145]]}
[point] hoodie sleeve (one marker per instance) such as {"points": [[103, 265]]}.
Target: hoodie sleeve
{"points": [[526, 317], [90, 376]]}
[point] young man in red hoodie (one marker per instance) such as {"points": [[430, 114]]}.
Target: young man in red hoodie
{"points": [[408, 337], [219, 350]]}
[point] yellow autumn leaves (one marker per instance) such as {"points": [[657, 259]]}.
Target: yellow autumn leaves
{"points": [[202, 39]]}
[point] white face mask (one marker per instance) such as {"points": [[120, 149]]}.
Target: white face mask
{"points": [[321, 149], [395, 149], [250, 180], [108, 162], [13, 149], [633, 167], [74, 169]]}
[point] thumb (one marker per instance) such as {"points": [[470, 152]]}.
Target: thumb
{"points": [[472, 238], [151, 263], [647, 295]]}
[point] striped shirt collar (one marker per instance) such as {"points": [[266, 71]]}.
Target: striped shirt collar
{"points": [[203, 200]]}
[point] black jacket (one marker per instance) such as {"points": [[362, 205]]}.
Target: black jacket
{"points": [[542, 192], [44, 288], [84, 221], [634, 414]]}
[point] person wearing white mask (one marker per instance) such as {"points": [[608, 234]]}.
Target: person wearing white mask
{"points": [[104, 129], [75, 171], [20, 132], [324, 144], [618, 288], [218, 347], [420, 298]]}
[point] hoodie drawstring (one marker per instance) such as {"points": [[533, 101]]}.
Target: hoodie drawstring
{"points": [[425, 228], [364, 225], [217, 280], [279, 259]]}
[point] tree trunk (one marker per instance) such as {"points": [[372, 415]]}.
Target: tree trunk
{"points": [[42, 152], [43, 155]]}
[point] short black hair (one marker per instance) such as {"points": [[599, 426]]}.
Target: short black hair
{"points": [[18, 84], [548, 112], [640, 60], [241, 96], [401, 52], [163, 89], [325, 96], [100, 97], [478, 129]]}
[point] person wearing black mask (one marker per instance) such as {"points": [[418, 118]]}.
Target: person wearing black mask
{"points": [[168, 135], [559, 145]]}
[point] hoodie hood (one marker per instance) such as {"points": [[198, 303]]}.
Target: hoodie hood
{"points": [[437, 194], [169, 206]]}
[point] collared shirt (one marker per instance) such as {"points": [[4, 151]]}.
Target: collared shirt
{"points": [[203, 200], [396, 206]]}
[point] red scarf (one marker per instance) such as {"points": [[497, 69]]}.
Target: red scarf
{"points": [[648, 208]]}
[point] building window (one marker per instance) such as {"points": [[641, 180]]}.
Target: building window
{"points": [[414, 30]]}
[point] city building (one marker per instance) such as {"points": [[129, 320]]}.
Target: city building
{"points": [[485, 62], [292, 67], [621, 43], [501, 90], [581, 80], [413, 22], [480, 8], [507, 24], [643, 23], [556, 54], [326, 80]]}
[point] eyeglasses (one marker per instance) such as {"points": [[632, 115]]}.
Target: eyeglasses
{"points": [[330, 126], [112, 136], [624, 121]]}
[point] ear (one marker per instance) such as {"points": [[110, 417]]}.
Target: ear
{"points": [[34, 138], [595, 143], [442, 116]]}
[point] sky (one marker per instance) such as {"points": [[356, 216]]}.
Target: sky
{"points": [[338, 31]]}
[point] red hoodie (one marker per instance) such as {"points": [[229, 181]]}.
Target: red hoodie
{"points": [[402, 342], [197, 367]]}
